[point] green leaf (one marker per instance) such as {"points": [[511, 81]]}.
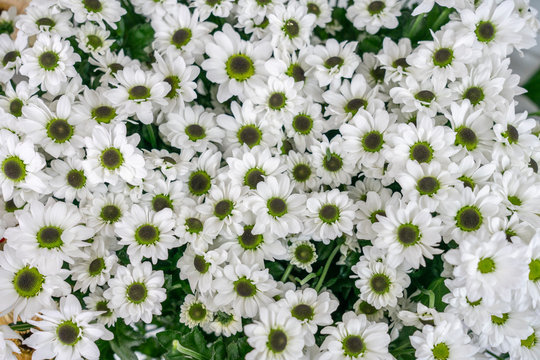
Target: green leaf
{"points": [[533, 88], [137, 39]]}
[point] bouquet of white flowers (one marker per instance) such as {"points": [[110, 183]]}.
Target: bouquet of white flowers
{"points": [[268, 180]]}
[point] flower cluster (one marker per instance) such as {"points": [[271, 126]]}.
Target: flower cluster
{"points": [[268, 179]]}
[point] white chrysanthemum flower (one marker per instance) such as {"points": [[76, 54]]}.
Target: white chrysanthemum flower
{"points": [[149, 8], [139, 92], [393, 60], [467, 211], [235, 64], [248, 168], [447, 340], [291, 26], [371, 208], [373, 15], [333, 162], [277, 99], [179, 76], [38, 19], [302, 171], [67, 332], [306, 126], [112, 156], [95, 270], [147, 233], [191, 226], [93, 39], [103, 211], [97, 302], [409, 233], [177, 28], [192, 128], [257, 10], [17, 98], [355, 338], [247, 289], [529, 346], [471, 173], [365, 308], [489, 267], [51, 233], [10, 56], [221, 8], [21, 178], [193, 312], [310, 308], [321, 9], [162, 193], [303, 254], [136, 292], [200, 268], [27, 287], [380, 283], [8, 347], [333, 61], [224, 323], [100, 11], [95, 108], [473, 311], [202, 174], [275, 336], [110, 63], [277, 210], [329, 215], [172, 165], [244, 127], [49, 63]]}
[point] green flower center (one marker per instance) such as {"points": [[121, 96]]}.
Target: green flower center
{"points": [[92, 5], [160, 202], [59, 130], [277, 207], [304, 253], [378, 74], [223, 318], [329, 213], [534, 270], [425, 96], [313, 9], [301, 172], [193, 225], [303, 312], [197, 312], [103, 114], [373, 216], [248, 240], [443, 57], [10, 206], [367, 308], [400, 62], [44, 21], [195, 132], [354, 105], [49, 237], [512, 134], [467, 181], [530, 341], [421, 152], [514, 200], [408, 234], [353, 345], [428, 185], [68, 333], [174, 82], [499, 320], [200, 264], [199, 182], [48, 60], [302, 124], [475, 94], [14, 168], [372, 141], [296, 72], [76, 178], [250, 135], [486, 265], [102, 306], [115, 67], [181, 37], [277, 101], [473, 303], [9, 57], [94, 42], [440, 351], [380, 283], [376, 7], [111, 158], [15, 107], [110, 213], [239, 67], [253, 177], [244, 287], [28, 282], [147, 234], [469, 218], [139, 92], [485, 31], [291, 28], [334, 61], [466, 137], [277, 341], [223, 208], [96, 266], [332, 162], [136, 292], [6, 27]]}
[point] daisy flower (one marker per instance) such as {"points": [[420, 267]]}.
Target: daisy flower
{"points": [[95, 108], [136, 292], [303, 254], [372, 15], [471, 173], [111, 156], [274, 336], [276, 208], [220, 8], [191, 226], [45, 19], [329, 215], [97, 302], [355, 337], [333, 164], [277, 100], [139, 92], [200, 268], [302, 172], [109, 63], [147, 233], [100, 11], [10, 56], [371, 209], [224, 323], [393, 60], [8, 346], [291, 26], [202, 172], [67, 332], [194, 312], [95, 270], [49, 63], [103, 211], [306, 126], [17, 98], [235, 64], [149, 8], [93, 39], [321, 9]]}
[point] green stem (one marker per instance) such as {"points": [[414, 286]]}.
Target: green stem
{"points": [[327, 265], [186, 351], [20, 326], [307, 278], [415, 26], [151, 135], [286, 273], [442, 18], [495, 356]]}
